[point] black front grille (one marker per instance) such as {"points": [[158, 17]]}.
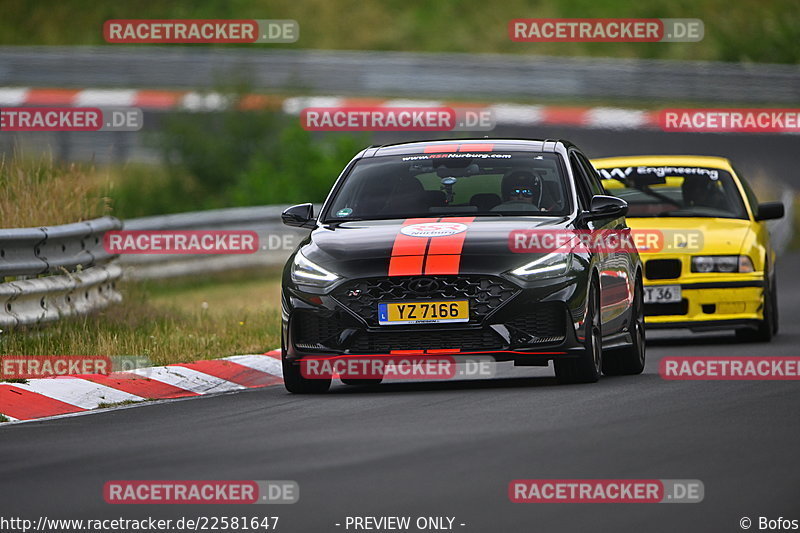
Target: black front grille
{"points": [[485, 294], [662, 269], [312, 330], [673, 308], [466, 340], [546, 322]]}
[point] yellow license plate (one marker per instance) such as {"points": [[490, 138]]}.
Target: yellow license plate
{"points": [[423, 312]]}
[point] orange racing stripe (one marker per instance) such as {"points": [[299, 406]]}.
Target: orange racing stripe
{"points": [[408, 253], [444, 253]]}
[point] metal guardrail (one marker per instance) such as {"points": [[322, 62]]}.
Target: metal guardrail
{"points": [[88, 281], [54, 249], [78, 273], [276, 242], [52, 298], [400, 73]]}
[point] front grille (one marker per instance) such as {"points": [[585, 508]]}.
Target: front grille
{"points": [[673, 308], [546, 322], [662, 269], [312, 330], [485, 294], [465, 340]]}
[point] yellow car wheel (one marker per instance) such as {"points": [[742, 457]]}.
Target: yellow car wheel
{"points": [[768, 327]]}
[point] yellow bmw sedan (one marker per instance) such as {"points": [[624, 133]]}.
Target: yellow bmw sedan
{"points": [[700, 230]]}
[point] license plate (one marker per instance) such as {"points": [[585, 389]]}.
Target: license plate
{"points": [[428, 312], [662, 294]]}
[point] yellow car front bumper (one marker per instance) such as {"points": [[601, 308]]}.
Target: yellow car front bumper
{"points": [[718, 304]]}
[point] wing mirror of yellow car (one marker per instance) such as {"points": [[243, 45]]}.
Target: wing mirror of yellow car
{"points": [[769, 211], [603, 206]]}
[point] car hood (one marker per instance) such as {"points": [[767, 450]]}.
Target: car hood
{"points": [[372, 248], [720, 236]]}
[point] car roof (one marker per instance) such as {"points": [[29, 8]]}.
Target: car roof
{"points": [[659, 160], [469, 145]]}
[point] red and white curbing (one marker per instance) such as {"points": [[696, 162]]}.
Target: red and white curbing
{"points": [[46, 397], [505, 114]]}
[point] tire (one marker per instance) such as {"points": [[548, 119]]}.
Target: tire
{"points": [[361, 382], [586, 368], [630, 360], [768, 327], [295, 383]]}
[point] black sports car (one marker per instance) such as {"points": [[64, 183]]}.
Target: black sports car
{"points": [[414, 252]]}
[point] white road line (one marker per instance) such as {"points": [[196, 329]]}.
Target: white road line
{"points": [[13, 96], [188, 379], [295, 104], [524, 115], [400, 102], [616, 118], [195, 101], [106, 97], [262, 363], [78, 392]]}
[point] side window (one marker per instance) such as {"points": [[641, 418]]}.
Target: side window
{"points": [[594, 180], [581, 181]]}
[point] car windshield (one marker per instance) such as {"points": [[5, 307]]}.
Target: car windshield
{"points": [[666, 191], [480, 184]]}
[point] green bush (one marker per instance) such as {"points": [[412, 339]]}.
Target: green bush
{"points": [[233, 158]]}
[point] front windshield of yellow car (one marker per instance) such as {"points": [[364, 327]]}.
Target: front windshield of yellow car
{"points": [[675, 191]]}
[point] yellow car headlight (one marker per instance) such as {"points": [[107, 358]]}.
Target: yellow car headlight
{"points": [[722, 263]]}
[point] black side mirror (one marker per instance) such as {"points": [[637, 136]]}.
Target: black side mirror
{"points": [[603, 206], [769, 211], [301, 216]]}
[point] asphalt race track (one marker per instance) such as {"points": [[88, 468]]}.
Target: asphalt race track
{"points": [[445, 449], [451, 448]]}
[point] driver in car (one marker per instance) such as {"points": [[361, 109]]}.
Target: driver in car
{"points": [[522, 191]]}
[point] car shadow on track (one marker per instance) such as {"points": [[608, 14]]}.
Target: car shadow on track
{"points": [[720, 339], [687, 338], [528, 382]]}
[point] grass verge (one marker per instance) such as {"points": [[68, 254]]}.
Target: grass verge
{"points": [[38, 192], [748, 30], [168, 322]]}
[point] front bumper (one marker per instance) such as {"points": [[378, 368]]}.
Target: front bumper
{"points": [[710, 305], [529, 325]]}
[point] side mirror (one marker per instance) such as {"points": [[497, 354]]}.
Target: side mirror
{"points": [[301, 216], [603, 206], [769, 211]]}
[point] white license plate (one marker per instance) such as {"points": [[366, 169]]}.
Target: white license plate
{"points": [[662, 294]]}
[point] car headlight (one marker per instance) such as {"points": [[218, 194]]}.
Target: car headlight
{"points": [[306, 272], [548, 266], [722, 263]]}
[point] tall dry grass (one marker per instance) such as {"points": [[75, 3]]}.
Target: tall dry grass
{"points": [[169, 321], [42, 193]]}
